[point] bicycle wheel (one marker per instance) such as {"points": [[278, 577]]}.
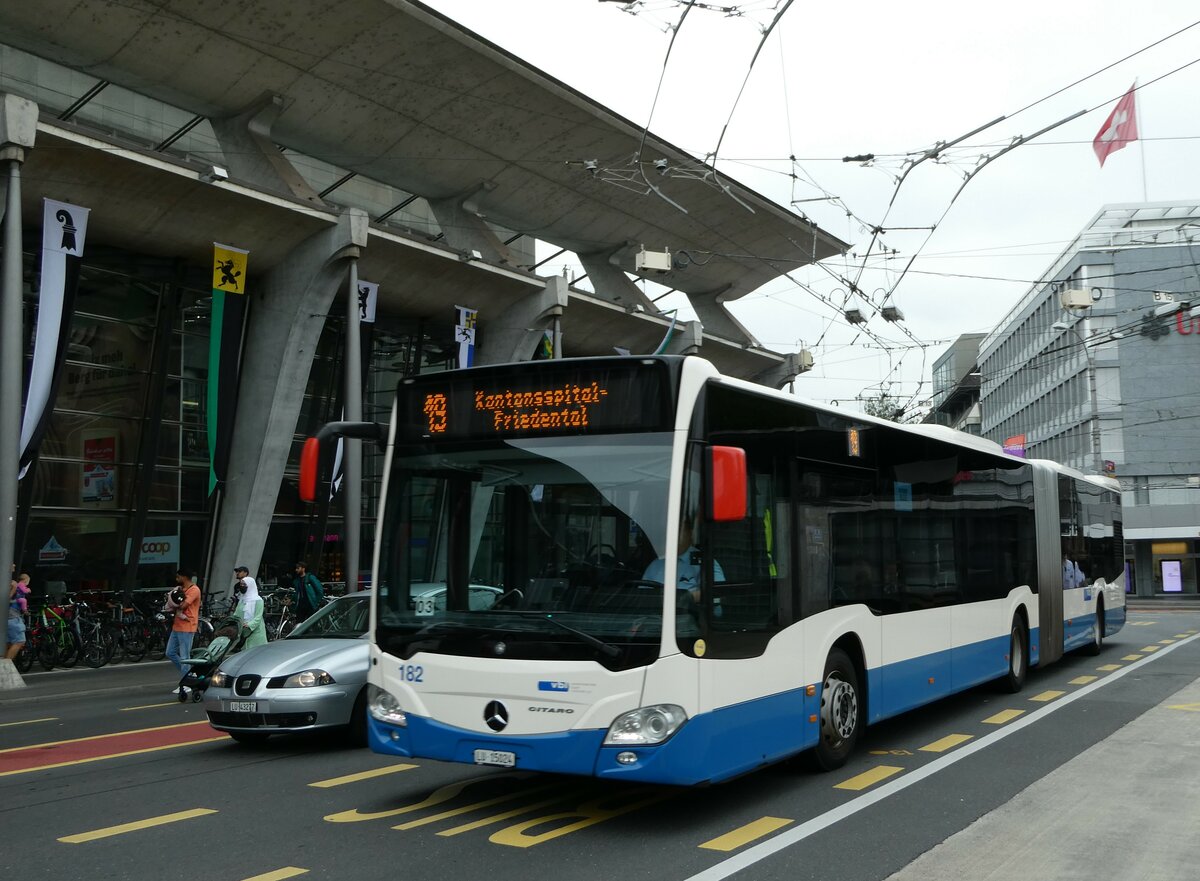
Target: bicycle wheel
{"points": [[24, 659], [112, 635], [135, 643], [156, 644], [47, 654], [67, 648], [95, 653]]}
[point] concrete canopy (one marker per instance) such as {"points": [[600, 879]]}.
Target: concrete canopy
{"points": [[393, 90]]}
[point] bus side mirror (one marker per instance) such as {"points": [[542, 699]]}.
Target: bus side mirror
{"points": [[310, 457], [726, 484]]}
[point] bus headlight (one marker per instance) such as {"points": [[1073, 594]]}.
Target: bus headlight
{"points": [[384, 707], [645, 726]]}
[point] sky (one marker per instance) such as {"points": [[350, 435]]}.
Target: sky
{"points": [[836, 80]]}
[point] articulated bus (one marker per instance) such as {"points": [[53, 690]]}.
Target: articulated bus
{"points": [[637, 568]]}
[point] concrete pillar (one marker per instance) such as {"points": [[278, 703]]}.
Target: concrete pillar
{"points": [[686, 339], [461, 220], [513, 335], [287, 313], [611, 283], [779, 375], [1143, 568], [250, 154], [718, 320]]}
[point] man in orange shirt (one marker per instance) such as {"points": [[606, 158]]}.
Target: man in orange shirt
{"points": [[184, 601]]}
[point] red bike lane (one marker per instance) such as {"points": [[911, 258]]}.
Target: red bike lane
{"points": [[57, 754]]}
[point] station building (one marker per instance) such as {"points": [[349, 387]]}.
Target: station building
{"points": [[1095, 367], [315, 136]]}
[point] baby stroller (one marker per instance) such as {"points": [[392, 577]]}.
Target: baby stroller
{"points": [[227, 639]]}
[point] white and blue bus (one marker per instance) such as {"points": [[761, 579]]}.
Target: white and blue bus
{"points": [[637, 568]]}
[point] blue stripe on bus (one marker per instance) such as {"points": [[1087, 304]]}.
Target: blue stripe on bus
{"points": [[717, 745]]}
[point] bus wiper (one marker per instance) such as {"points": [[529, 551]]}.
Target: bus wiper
{"points": [[605, 648]]}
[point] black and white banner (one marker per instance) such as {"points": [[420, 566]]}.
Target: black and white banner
{"points": [[64, 228], [368, 299]]}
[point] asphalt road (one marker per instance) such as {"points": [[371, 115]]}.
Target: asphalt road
{"points": [[103, 775]]}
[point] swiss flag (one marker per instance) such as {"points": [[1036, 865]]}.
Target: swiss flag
{"points": [[1119, 129]]}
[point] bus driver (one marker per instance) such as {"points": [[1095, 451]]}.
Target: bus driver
{"points": [[687, 573]]}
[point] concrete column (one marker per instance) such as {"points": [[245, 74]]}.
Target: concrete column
{"points": [[687, 339], [611, 283], [463, 228], [287, 313], [718, 320], [513, 335], [251, 156], [792, 365], [18, 129], [1143, 568]]}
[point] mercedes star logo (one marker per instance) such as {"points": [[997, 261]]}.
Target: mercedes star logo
{"points": [[496, 716]]}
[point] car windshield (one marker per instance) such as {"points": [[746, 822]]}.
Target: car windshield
{"points": [[345, 618], [487, 543]]}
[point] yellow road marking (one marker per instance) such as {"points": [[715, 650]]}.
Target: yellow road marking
{"points": [[28, 721], [467, 809], [1181, 636], [949, 742], [279, 874], [109, 831], [745, 834], [1108, 668], [1083, 680], [587, 814], [869, 778], [1003, 716], [505, 815], [1150, 648], [1047, 696], [1132, 658], [1191, 708], [1166, 641], [150, 706], [1141, 623], [14, 749], [361, 775]]}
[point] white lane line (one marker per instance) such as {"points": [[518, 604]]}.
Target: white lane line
{"points": [[772, 846]]}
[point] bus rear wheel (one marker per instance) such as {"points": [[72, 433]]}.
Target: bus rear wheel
{"points": [[1098, 637], [841, 713], [1018, 657]]}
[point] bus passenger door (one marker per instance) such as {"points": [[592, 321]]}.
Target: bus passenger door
{"points": [[1050, 565]]}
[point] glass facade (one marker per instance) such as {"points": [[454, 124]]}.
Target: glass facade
{"points": [[125, 454]]}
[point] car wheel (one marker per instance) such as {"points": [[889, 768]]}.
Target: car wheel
{"points": [[356, 731], [254, 738]]}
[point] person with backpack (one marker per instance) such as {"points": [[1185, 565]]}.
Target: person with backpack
{"points": [[309, 592]]}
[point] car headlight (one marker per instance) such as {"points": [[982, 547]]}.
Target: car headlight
{"points": [[384, 707], [221, 679], [645, 726], [307, 679]]}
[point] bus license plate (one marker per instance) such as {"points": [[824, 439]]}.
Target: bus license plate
{"points": [[243, 706], [495, 757]]}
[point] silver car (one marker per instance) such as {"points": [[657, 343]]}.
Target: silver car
{"points": [[315, 678]]}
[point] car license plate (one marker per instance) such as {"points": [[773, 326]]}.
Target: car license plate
{"points": [[243, 706], [495, 757]]}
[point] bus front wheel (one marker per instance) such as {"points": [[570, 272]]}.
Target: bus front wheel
{"points": [[1018, 657], [841, 713]]}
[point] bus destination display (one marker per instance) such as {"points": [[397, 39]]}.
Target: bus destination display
{"points": [[532, 401]]}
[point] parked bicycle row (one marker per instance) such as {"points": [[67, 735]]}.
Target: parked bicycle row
{"points": [[98, 630]]}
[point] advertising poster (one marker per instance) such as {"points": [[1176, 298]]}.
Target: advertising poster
{"points": [[1172, 575], [99, 469]]}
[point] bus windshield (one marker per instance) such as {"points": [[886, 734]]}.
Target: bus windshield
{"points": [[530, 548]]}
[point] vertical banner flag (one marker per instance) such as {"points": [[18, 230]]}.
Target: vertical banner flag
{"points": [[64, 228], [1119, 129], [545, 347], [224, 354], [368, 298], [464, 335]]}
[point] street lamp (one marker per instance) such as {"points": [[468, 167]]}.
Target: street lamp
{"points": [[1091, 373]]}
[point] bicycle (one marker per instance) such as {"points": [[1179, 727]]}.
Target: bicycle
{"points": [[97, 643], [57, 645]]}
